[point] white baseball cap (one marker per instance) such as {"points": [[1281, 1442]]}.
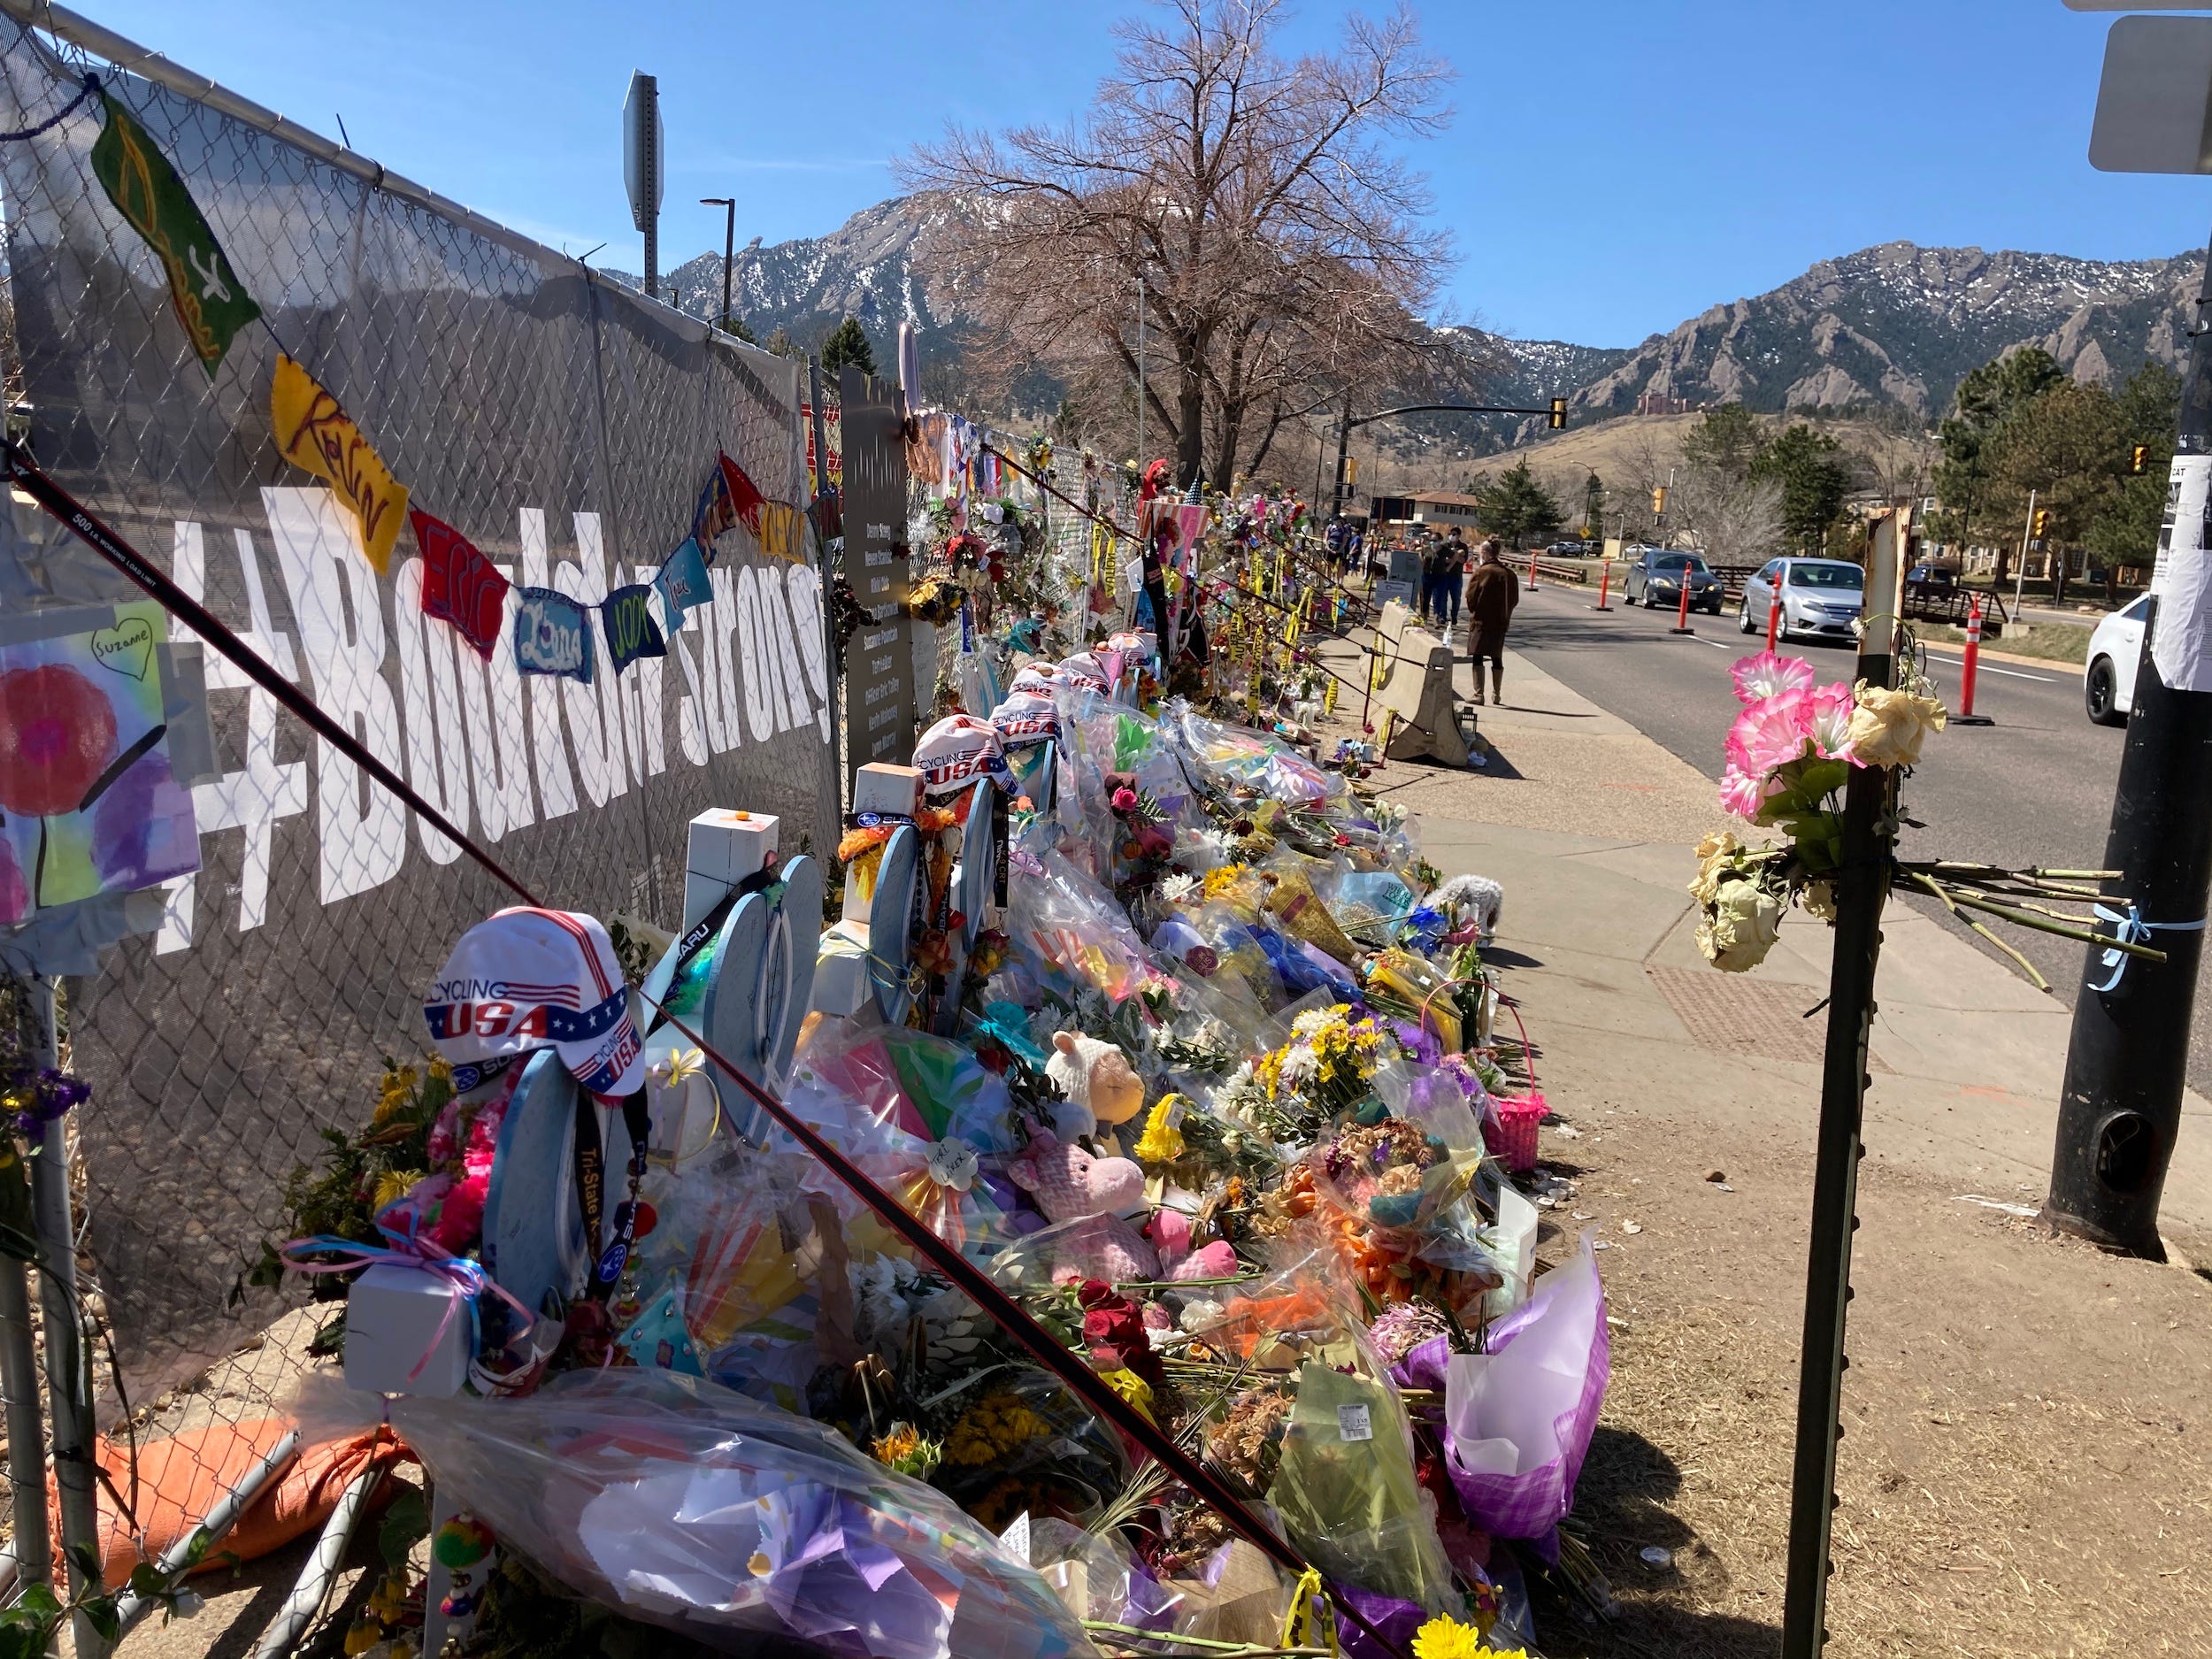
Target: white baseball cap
{"points": [[524, 980]]}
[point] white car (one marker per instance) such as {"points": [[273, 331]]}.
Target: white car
{"points": [[1821, 598], [2107, 687]]}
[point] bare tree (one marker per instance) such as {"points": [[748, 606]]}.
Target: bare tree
{"points": [[1734, 520], [1245, 201]]}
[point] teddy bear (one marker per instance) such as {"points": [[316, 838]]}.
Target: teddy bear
{"points": [[1098, 1082], [1070, 1183]]}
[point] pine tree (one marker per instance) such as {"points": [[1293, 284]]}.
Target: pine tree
{"points": [[1594, 509], [1516, 506], [847, 344], [1813, 483], [740, 328]]}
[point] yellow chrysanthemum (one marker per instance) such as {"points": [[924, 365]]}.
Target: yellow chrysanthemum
{"points": [[1446, 1637], [1162, 1141], [397, 1090], [395, 1185]]}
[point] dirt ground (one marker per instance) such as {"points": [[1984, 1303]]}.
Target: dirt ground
{"points": [[2024, 1468]]}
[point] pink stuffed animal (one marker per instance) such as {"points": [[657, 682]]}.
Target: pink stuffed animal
{"points": [[1071, 1185], [1171, 1231]]}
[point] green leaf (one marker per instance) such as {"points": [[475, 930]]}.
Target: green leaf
{"points": [[196, 1552], [100, 1613], [330, 1341], [20, 1639], [40, 1602], [406, 1524], [148, 1581]]}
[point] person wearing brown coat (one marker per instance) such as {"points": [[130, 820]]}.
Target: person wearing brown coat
{"points": [[1492, 592]]}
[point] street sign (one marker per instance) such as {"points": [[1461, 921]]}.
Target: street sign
{"points": [[2154, 101], [642, 144]]}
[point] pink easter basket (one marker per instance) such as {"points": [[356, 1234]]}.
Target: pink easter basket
{"points": [[1514, 1140]]}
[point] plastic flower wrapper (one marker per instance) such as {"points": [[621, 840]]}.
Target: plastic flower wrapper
{"points": [[917, 1114], [689, 1507], [1016, 1440], [1343, 1477], [1518, 1416], [1296, 908], [1070, 931], [1234, 1594], [1398, 982]]}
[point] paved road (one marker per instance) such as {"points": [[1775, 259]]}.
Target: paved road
{"points": [[2036, 788]]}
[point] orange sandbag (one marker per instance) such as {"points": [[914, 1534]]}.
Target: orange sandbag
{"points": [[180, 1478]]}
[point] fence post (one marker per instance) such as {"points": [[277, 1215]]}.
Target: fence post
{"points": [[31, 1543], [68, 1378]]}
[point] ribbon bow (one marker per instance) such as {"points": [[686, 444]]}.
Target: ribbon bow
{"points": [[2130, 928], [466, 1279]]}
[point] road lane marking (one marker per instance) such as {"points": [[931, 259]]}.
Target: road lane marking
{"points": [[2014, 673]]}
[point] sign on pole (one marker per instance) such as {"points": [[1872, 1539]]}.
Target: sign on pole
{"points": [[642, 175], [2155, 97]]}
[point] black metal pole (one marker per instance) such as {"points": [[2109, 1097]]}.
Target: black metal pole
{"points": [[1869, 802], [1343, 445], [729, 253], [2120, 1109]]}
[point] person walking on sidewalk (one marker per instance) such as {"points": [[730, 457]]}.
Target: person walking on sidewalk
{"points": [[1451, 578], [1492, 592], [1432, 584]]}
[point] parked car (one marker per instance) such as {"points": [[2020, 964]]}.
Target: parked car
{"points": [[1567, 550], [1821, 598], [2107, 687], [1656, 576], [1932, 579]]}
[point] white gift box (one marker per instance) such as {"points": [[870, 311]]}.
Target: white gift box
{"points": [[394, 1316]]}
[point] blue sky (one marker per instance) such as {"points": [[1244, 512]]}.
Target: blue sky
{"points": [[1616, 165]]}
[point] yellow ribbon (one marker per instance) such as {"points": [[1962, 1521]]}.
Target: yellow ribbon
{"points": [[1310, 1623]]}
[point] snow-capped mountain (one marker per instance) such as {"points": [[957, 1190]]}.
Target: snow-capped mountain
{"points": [[1901, 325], [1894, 325]]}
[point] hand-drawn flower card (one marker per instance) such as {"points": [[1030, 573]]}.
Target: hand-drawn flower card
{"points": [[90, 803]]}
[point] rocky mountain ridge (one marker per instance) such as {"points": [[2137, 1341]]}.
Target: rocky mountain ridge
{"points": [[1895, 326]]}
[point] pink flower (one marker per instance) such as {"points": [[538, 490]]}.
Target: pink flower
{"points": [[1125, 800], [1766, 675], [1743, 793], [1771, 733], [1828, 724]]}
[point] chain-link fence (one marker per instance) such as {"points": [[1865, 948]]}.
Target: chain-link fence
{"points": [[565, 426]]}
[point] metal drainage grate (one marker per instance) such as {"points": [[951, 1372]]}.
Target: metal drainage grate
{"points": [[1733, 1014]]}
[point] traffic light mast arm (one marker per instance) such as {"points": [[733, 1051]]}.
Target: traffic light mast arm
{"points": [[1555, 416], [1556, 412]]}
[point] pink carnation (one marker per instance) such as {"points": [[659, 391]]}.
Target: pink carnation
{"points": [[1829, 724], [1771, 733], [1767, 675], [1743, 793], [1125, 800]]}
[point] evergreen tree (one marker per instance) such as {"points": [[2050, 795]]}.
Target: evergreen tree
{"points": [[847, 344], [1593, 508], [1728, 441], [1986, 400], [740, 328], [1813, 483], [1516, 507]]}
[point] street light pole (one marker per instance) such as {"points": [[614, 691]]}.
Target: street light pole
{"points": [[2119, 1110], [729, 247], [1141, 460]]}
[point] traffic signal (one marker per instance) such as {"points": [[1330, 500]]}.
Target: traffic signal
{"points": [[1559, 416], [2139, 458], [1658, 500], [2039, 524]]}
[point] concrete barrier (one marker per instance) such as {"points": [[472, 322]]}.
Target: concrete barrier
{"points": [[1419, 701]]}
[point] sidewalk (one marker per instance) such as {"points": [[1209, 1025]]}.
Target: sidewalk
{"points": [[2025, 1459]]}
